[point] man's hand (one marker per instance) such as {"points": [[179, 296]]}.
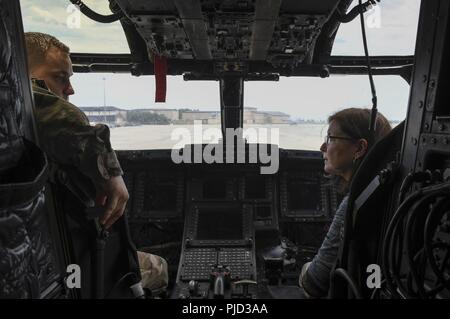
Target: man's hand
{"points": [[114, 196]]}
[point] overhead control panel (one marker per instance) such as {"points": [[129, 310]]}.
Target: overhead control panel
{"points": [[281, 32]]}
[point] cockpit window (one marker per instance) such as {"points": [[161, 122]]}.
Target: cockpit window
{"points": [[61, 19], [391, 29], [297, 106], [127, 104]]}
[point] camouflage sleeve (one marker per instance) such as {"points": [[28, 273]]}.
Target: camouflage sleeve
{"points": [[68, 139]]}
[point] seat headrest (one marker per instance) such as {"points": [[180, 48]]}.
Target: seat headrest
{"points": [[377, 158], [5, 48]]}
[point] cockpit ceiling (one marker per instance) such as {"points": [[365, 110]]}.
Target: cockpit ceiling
{"points": [[282, 32]]}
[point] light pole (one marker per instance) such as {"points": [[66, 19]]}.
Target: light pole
{"points": [[104, 97]]}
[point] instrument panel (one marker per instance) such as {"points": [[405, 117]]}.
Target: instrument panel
{"points": [[222, 217], [161, 190]]}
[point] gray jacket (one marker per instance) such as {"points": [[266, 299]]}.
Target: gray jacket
{"points": [[315, 278]]}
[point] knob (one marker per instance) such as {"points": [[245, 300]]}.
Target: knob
{"points": [[193, 287]]}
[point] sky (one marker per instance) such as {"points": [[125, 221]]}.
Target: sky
{"points": [[391, 30]]}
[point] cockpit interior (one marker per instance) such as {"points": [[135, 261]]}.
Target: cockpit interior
{"points": [[227, 229]]}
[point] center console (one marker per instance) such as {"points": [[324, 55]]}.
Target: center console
{"points": [[218, 251]]}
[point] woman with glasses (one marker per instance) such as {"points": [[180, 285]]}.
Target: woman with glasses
{"points": [[346, 143]]}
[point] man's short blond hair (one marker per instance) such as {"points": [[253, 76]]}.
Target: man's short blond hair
{"points": [[38, 45]]}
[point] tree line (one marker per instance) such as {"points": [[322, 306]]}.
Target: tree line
{"points": [[143, 117]]}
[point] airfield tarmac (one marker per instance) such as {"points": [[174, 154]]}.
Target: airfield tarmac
{"points": [[147, 137]]}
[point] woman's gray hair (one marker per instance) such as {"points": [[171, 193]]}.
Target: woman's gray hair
{"points": [[355, 123]]}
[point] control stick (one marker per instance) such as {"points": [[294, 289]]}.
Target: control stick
{"points": [[193, 288], [219, 287], [220, 278]]}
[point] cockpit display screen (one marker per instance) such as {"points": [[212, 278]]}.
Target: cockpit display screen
{"points": [[304, 195], [217, 224]]}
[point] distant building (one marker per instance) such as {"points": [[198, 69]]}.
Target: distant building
{"points": [[118, 117], [253, 116], [249, 115], [171, 114], [279, 118], [105, 114], [215, 119], [204, 116]]}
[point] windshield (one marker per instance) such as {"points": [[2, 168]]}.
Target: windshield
{"points": [[61, 19], [297, 107], [391, 30]]}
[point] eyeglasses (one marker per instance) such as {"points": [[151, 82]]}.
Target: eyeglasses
{"points": [[329, 138]]}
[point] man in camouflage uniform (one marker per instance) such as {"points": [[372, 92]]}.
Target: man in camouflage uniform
{"points": [[70, 141], [64, 130]]}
